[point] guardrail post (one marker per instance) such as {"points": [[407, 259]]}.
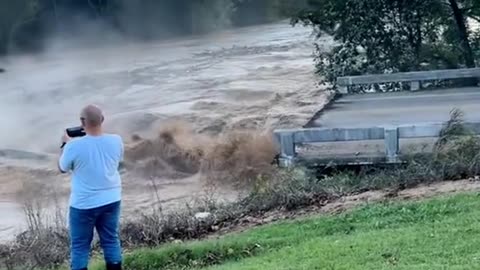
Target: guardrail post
{"points": [[287, 148], [392, 144], [414, 86], [343, 89]]}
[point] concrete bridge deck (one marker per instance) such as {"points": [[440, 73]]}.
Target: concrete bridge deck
{"points": [[383, 109], [400, 108]]}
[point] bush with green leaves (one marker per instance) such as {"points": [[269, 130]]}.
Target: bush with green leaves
{"points": [[385, 36]]}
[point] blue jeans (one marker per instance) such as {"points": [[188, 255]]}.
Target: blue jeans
{"points": [[106, 220]]}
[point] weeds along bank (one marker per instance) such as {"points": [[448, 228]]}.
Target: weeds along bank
{"points": [[406, 235], [267, 188]]}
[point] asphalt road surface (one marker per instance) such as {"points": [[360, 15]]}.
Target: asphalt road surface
{"points": [[385, 109]]}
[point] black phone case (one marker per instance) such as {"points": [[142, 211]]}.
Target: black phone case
{"points": [[75, 132]]}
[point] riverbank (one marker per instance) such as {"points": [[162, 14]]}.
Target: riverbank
{"points": [[415, 228], [430, 234]]}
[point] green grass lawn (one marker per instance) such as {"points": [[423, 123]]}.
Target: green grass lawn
{"points": [[442, 233]]}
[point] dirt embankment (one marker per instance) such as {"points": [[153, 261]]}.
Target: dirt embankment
{"points": [[350, 202]]}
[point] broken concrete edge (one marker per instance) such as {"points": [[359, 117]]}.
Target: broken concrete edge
{"points": [[332, 97]]}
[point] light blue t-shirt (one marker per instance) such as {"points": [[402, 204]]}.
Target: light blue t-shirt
{"points": [[94, 162]]}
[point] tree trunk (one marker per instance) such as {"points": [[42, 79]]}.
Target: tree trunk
{"points": [[463, 34]]}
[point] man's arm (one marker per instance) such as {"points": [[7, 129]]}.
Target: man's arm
{"points": [[65, 161], [61, 162], [121, 163]]}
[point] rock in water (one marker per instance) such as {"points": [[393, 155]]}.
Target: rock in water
{"points": [[2, 70]]}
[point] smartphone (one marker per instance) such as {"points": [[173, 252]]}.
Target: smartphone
{"points": [[74, 132]]}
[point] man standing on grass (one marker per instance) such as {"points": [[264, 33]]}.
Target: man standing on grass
{"points": [[95, 190]]}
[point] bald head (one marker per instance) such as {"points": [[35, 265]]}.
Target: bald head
{"points": [[92, 116]]}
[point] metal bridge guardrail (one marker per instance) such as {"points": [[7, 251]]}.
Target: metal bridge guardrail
{"points": [[289, 138], [414, 78]]}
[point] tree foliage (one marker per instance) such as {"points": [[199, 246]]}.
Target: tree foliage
{"points": [[383, 36]]}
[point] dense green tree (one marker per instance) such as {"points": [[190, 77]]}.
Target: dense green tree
{"points": [[377, 36]]}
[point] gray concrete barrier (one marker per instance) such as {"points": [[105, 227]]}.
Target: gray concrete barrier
{"points": [[289, 138]]}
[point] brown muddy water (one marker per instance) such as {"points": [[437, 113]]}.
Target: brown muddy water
{"points": [[254, 78]]}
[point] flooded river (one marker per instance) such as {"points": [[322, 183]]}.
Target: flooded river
{"points": [[251, 78]]}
